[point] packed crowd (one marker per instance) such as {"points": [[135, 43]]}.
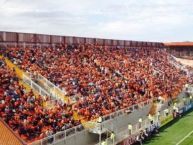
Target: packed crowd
{"points": [[24, 112], [106, 79]]}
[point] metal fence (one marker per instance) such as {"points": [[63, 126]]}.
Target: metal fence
{"points": [[59, 136], [54, 90], [126, 110], [36, 87], [63, 135]]}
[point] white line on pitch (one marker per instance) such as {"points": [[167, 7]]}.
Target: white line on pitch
{"points": [[184, 138]]}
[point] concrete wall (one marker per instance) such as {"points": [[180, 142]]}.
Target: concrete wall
{"points": [[87, 138], [30, 39]]}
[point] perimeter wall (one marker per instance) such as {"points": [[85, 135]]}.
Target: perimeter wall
{"points": [[30, 39]]}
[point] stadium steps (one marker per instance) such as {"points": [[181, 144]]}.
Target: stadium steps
{"points": [[12, 66], [78, 117], [19, 74], [7, 137]]}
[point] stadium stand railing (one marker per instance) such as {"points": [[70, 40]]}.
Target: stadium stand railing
{"points": [[59, 136], [92, 124], [126, 110], [52, 89], [34, 86], [63, 135]]}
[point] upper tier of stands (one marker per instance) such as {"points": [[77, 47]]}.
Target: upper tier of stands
{"points": [[103, 80]]}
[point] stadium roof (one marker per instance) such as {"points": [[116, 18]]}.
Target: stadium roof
{"points": [[178, 44]]}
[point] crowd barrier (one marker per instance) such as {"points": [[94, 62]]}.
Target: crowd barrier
{"points": [[59, 136], [63, 135], [52, 89], [36, 87]]}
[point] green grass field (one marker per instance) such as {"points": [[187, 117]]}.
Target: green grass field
{"points": [[188, 140], [174, 132]]}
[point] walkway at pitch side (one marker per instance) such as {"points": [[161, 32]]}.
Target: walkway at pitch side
{"points": [[175, 132]]}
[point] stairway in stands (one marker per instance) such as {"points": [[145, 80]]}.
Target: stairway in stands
{"points": [[7, 137]]}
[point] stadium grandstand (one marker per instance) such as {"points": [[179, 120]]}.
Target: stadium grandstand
{"points": [[180, 49], [66, 90]]}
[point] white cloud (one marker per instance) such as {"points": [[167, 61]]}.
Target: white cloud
{"points": [[159, 20]]}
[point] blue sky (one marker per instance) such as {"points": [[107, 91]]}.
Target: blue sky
{"points": [[147, 20]]}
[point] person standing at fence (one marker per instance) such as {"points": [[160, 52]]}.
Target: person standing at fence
{"points": [[140, 122], [130, 128]]}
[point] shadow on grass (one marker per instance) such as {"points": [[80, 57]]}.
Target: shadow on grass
{"points": [[163, 128]]}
